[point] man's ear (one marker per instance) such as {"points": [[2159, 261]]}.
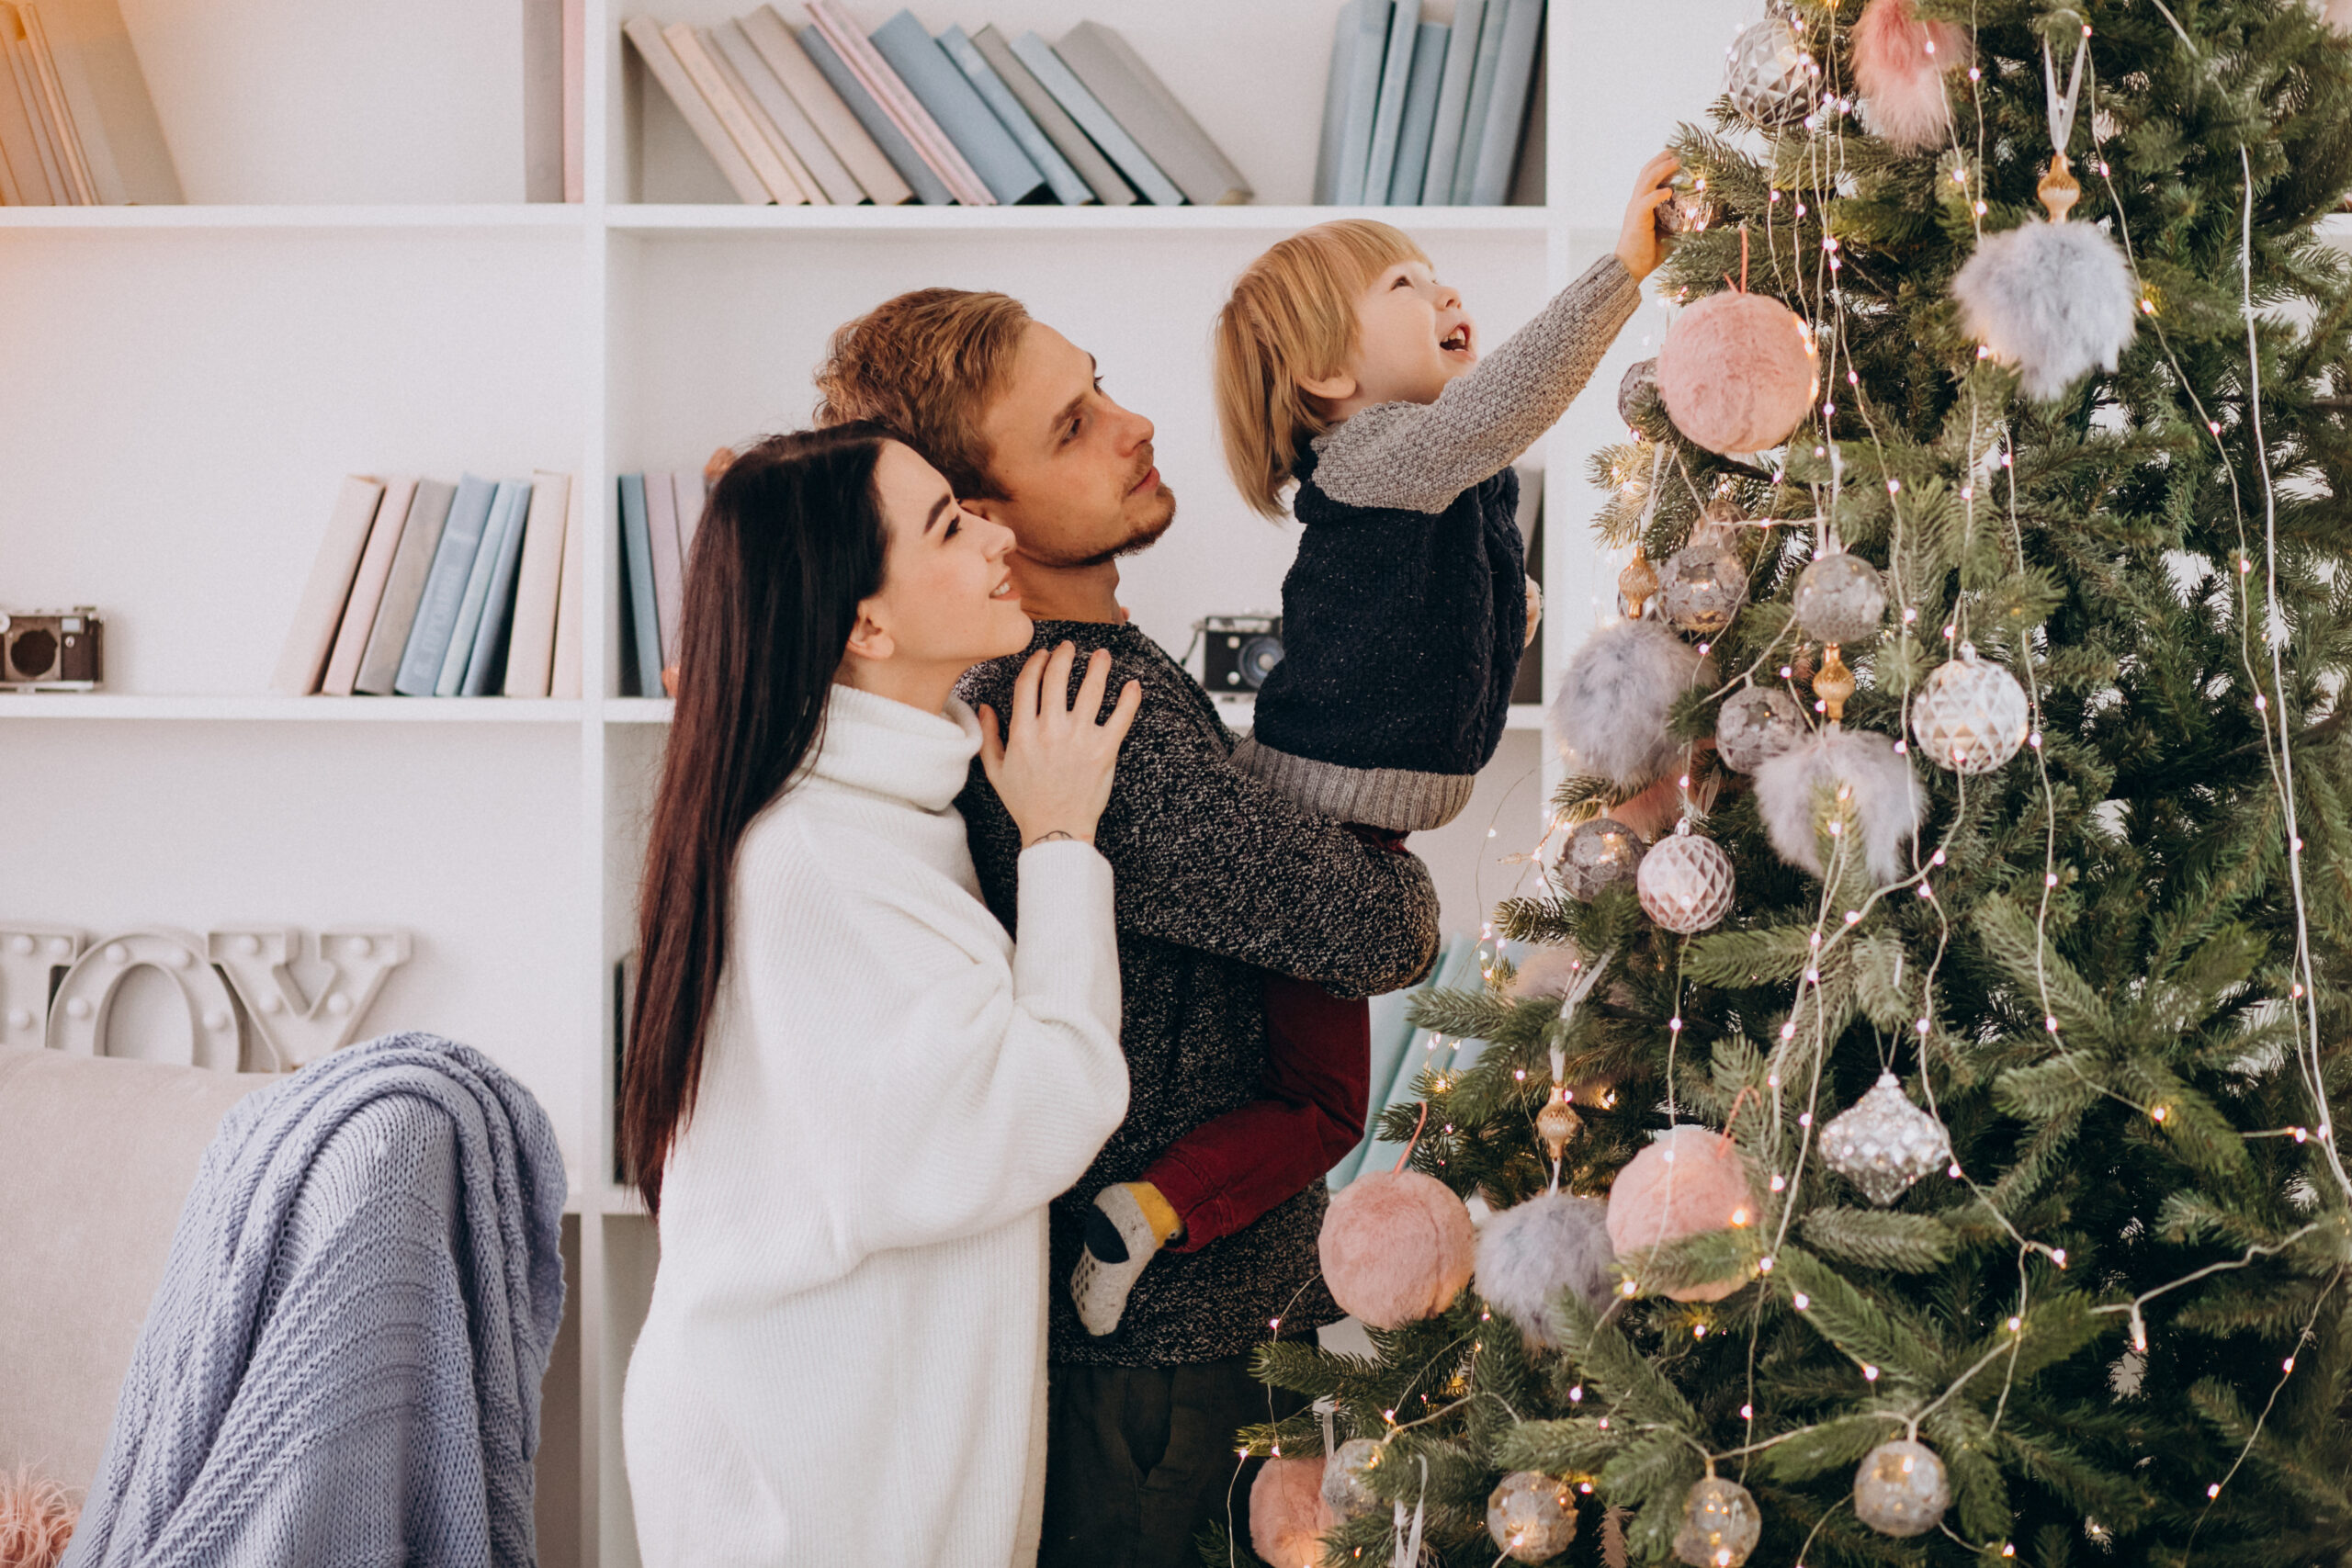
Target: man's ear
{"points": [[1330, 388], [869, 639], [992, 510]]}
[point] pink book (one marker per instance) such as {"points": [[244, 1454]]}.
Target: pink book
{"points": [[875, 74], [312, 636], [575, 108], [565, 681], [367, 588], [669, 575]]}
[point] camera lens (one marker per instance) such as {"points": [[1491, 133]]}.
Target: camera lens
{"points": [[1259, 657], [32, 655]]}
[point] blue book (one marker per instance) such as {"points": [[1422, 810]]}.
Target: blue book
{"points": [[636, 571], [941, 88], [1335, 107], [1095, 121], [1507, 111], [1366, 57], [1482, 93], [1067, 188], [445, 588], [1452, 103], [504, 516], [486, 670], [928, 187], [1420, 115], [1388, 116]]}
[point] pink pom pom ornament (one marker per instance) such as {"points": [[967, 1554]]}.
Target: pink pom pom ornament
{"points": [[1899, 64], [1396, 1246], [37, 1520], [1737, 372], [1690, 1181], [1287, 1515]]}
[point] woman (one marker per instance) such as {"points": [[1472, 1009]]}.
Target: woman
{"points": [[847, 1097]]}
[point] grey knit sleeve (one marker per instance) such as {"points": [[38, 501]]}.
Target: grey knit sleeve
{"points": [[1418, 457]]}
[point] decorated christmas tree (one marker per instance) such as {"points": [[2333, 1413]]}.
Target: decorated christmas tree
{"points": [[1906, 1123]]}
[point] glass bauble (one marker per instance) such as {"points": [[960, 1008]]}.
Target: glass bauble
{"points": [[1685, 882], [1755, 725], [1970, 715], [1882, 1143], [1532, 1516], [1900, 1489], [1347, 1481], [1705, 581], [1599, 853], [1720, 1525], [1637, 393], [1839, 598], [1768, 75]]}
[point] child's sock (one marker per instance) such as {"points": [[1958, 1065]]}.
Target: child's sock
{"points": [[1129, 1224]]}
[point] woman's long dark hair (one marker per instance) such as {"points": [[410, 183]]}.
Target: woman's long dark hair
{"points": [[792, 539]]}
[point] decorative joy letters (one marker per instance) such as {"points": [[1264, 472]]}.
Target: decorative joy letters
{"points": [[238, 983]]}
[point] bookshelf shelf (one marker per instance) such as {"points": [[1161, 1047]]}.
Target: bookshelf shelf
{"points": [[122, 707], [713, 219], [449, 215]]}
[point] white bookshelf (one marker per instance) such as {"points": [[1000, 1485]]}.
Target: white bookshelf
{"points": [[356, 287]]}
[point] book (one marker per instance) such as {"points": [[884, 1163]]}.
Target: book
{"points": [[367, 588], [905, 110], [1335, 107], [1135, 95], [1366, 56], [428, 515], [1061, 180], [530, 649], [1389, 111], [20, 144], [828, 176], [913, 171], [105, 94], [1011, 174], [644, 640], [662, 63], [1482, 94], [445, 588], [689, 493], [833, 117], [486, 665], [737, 119], [505, 515], [1413, 138], [669, 568], [312, 634], [543, 100], [1052, 120], [1507, 111], [805, 189], [29, 95], [60, 115], [1082, 106], [1453, 103], [1527, 170], [563, 681], [575, 100]]}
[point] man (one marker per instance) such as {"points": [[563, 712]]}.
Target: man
{"points": [[1192, 1240]]}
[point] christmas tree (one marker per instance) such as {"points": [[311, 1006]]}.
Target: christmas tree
{"points": [[1987, 726]]}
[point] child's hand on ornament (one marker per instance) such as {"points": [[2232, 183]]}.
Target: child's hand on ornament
{"points": [[1638, 245]]}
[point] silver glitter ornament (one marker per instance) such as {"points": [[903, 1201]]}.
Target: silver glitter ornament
{"points": [[1532, 1517], [1685, 882], [1970, 715], [1599, 853], [1720, 1525], [1757, 725], [1882, 1143], [1839, 598], [1900, 1489], [1690, 210], [1705, 581], [1768, 75], [1347, 1487], [1637, 393]]}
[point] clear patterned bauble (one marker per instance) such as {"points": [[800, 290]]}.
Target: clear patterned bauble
{"points": [[1970, 715], [1900, 1489], [1347, 1480], [1690, 209], [1705, 581], [1882, 1143], [1756, 725], [1720, 1525], [1637, 393], [1769, 74], [1599, 853], [1685, 882], [1839, 598], [1532, 1516]]}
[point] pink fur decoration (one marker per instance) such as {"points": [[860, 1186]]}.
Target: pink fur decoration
{"points": [[1899, 63], [1396, 1246], [1737, 372], [37, 1519], [1287, 1513], [1690, 1181]]}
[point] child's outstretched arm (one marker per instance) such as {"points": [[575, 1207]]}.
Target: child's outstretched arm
{"points": [[1418, 457]]}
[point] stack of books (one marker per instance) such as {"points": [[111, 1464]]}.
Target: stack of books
{"points": [[824, 113], [77, 128], [423, 589], [1426, 114], [659, 515]]}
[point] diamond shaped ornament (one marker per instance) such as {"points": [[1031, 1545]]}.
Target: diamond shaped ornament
{"points": [[1882, 1143]]}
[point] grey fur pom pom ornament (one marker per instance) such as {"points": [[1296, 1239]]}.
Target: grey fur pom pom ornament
{"points": [[1533, 1251], [1888, 805], [1615, 696]]}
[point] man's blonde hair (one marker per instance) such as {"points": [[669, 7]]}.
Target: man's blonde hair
{"points": [[924, 366], [1292, 314]]}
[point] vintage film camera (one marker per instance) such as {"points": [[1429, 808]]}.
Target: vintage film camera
{"points": [[1239, 652], [51, 650]]}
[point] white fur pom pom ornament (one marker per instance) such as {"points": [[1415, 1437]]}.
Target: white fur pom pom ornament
{"points": [[1887, 802], [1615, 695], [2055, 300], [1899, 64], [1533, 1251]]}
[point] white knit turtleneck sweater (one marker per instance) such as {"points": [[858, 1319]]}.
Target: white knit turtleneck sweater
{"points": [[844, 1361]]}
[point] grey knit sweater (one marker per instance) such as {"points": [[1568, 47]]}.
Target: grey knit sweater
{"points": [[1220, 879]]}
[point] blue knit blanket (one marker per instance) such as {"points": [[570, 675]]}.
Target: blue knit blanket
{"points": [[341, 1364]]}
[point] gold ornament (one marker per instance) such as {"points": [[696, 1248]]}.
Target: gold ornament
{"points": [[1833, 683], [1637, 584], [2059, 190], [1558, 1122]]}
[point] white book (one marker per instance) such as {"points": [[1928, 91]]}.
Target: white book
{"points": [[829, 178], [367, 588], [700, 117], [686, 44], [311, 635], [564, 681], [806, 190], [835, 120], [530, 647]]}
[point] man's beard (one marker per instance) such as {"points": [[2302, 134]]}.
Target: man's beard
{"points": [[1142, 539]]}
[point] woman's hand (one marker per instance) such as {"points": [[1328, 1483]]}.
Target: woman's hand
{"points": [[1053, 772], [1638, 243]]}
